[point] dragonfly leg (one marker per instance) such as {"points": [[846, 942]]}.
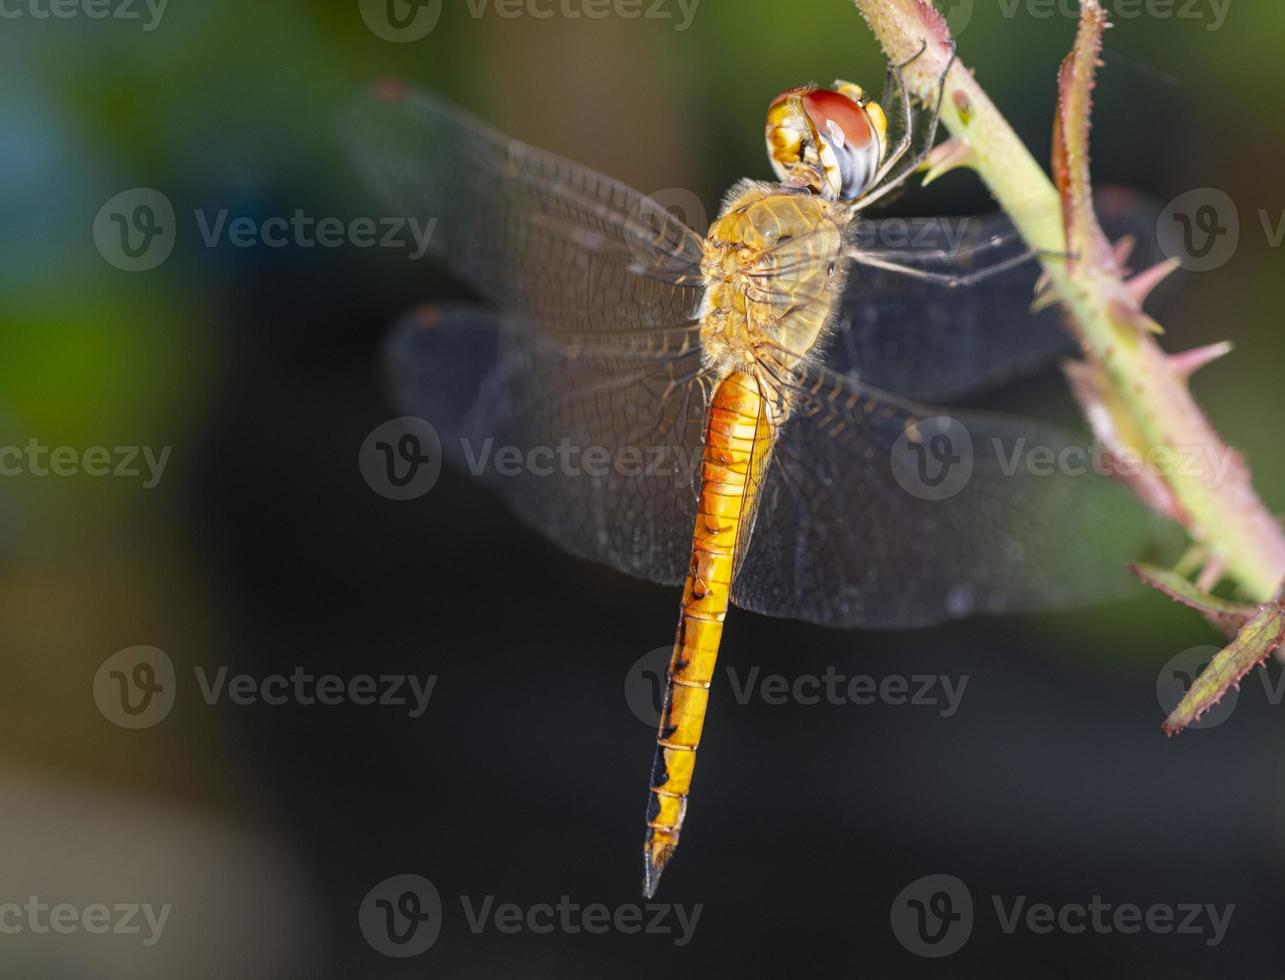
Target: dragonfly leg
{"points": [[885, 181], [896, 79], [949, 279]]}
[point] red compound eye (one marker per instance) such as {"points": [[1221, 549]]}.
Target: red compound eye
{"points": [[824, 107], [798, 90]]}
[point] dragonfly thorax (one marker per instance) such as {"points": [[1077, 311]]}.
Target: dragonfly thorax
{"points": [[773, 270]]}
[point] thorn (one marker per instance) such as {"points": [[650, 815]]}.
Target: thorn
{"points": [[1045, 297], [1141, 285], [945, 157], [1123, 249], [1193, 558], [1127, 313], [1211, 575], [1189, 362]]}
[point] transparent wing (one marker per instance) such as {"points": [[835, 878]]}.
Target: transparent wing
{"points": [[596, 449], [568, 249], [582, 403], [906, 334], [878, 513]]}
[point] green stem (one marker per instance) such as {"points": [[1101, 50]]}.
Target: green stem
{"points": [[1220, 511]]}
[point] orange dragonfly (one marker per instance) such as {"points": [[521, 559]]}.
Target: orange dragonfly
{"points": [[725, 384]]}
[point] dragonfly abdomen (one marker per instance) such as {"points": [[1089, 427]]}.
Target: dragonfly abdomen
{"points": [[737, 443]]}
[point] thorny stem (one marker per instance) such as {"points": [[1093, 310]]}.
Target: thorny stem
{"points": [[1146, 392]]}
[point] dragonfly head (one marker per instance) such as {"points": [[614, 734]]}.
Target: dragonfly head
{"points": [[830, 140]]}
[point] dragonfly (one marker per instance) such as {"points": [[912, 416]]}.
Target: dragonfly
{"points": [[727, 383]]}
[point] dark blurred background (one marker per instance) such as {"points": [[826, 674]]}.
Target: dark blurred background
{"points": [[262, 550]]}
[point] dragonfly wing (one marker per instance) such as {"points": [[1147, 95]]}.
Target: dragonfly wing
{"points": [[582, 402], [878, 513], [569, 249], [928, 341], [595, 446]]}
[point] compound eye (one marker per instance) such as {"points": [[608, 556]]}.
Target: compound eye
{"points": [[828, 132], [789, 132], [850, 134]]}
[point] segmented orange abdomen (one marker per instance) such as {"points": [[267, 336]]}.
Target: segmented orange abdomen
{"points": [[736, 438]]}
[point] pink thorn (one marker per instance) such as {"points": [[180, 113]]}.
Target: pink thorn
{"points": [[1123, 249], [945, 157], [1211, 575], [1141, 285], [1189, 362]]}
